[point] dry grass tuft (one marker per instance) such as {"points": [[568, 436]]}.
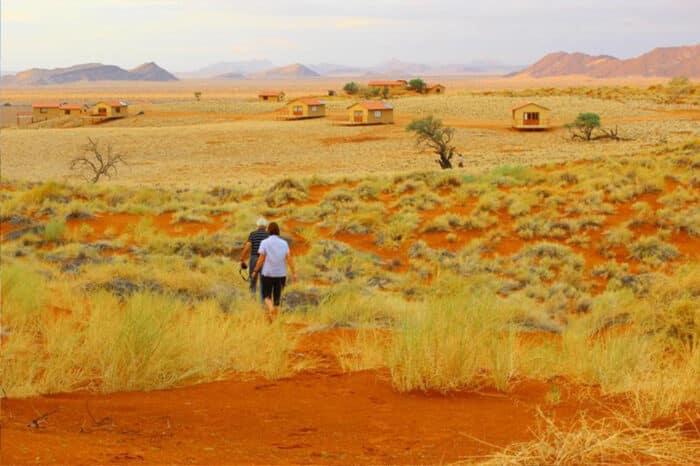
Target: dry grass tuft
{"points": [[605, 441]]}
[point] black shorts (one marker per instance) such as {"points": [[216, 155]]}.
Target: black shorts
{"points": [[272, 287]]}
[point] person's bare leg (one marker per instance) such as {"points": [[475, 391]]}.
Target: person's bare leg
{"points": [[270, 315]]}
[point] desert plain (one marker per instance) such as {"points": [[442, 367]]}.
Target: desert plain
{"points": [[539, 305]]}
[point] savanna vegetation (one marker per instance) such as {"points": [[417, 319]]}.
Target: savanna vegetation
{"points": [[580, 273]]}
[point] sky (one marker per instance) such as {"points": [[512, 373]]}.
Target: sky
{"points": [[185, 35]]}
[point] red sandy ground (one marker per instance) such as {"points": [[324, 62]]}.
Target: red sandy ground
{"points": [[509, 243], [319, 416]]}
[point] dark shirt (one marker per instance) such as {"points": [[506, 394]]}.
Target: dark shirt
{"points": [[255, 238]]}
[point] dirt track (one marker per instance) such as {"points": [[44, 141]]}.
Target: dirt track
{"points": [[322, 416]]}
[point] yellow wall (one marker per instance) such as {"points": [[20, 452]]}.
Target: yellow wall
{"points": [[436, 90], [271, 98], [306, 110], [519, 113], [41, 114], [386, 116], [109, 111]]}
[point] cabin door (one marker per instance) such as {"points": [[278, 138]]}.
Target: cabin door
{"points": [[531, 118], [102, 111], [357, 116]]}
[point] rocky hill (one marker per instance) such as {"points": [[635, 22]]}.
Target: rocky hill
{"points": [[660, 62], [151, 72], [88, 72], [286, 72]]}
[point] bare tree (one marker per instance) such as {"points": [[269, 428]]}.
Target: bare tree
{"points": [[431, 133], [97, 162]]}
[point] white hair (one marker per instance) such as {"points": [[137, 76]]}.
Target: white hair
{"points": [[262, 222]]}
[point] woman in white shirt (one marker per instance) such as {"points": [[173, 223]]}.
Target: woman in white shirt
{"points": [[272, 267]]}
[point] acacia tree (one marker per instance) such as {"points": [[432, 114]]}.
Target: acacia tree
{"points": [[351, 88], [198, 95], [417, 85], [584, 125], [97, 162], [431, 133]]}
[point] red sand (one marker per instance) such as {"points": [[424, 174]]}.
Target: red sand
{"points": [[509, 243], [123, 223], [321, 416]]}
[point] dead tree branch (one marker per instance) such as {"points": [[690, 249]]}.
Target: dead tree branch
{"points": [[37, 421], [97, 162]]}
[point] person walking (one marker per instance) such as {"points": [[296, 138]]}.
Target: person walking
{"points": [[274, 257], [250, 251]]}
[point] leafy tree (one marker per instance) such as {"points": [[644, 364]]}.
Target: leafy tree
{"points": [[431, 133], [198, 95], [351, 88], [584, 125], [386, 93], [417, 85]]}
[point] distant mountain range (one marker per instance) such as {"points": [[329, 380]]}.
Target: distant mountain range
{"points": [[264, 69], [232, 68], [295, 71], [660, 62], [88, 72]]}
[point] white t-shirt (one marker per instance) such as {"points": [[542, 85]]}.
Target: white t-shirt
{"points": [[276, 250]]}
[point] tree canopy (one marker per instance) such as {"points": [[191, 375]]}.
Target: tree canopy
{"points": [[417, 85], [431, 133]]}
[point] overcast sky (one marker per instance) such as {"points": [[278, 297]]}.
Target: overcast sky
{"points": [[184, 35]]}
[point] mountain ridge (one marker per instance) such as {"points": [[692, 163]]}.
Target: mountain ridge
{"points": [[659, 62], [88, 72]]}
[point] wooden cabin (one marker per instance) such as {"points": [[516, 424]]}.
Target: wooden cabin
{"points": [[374, 112], [115, 109], [306, 108], [434, 89], [393, 85], [271, 96], [530, 116], [42, 111], [71, 109]]}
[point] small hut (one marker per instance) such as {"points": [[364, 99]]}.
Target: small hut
{"points": [[48, 110], [374, 112], [434, 88], [299, 109], [114, 109], [45, 110], [270, 96], [530, 116]]}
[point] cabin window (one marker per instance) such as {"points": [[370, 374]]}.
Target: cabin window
{"points": [[67, 112], [117, 110], [314, 108], [43, 110], [528, 116], [378, 114]]}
